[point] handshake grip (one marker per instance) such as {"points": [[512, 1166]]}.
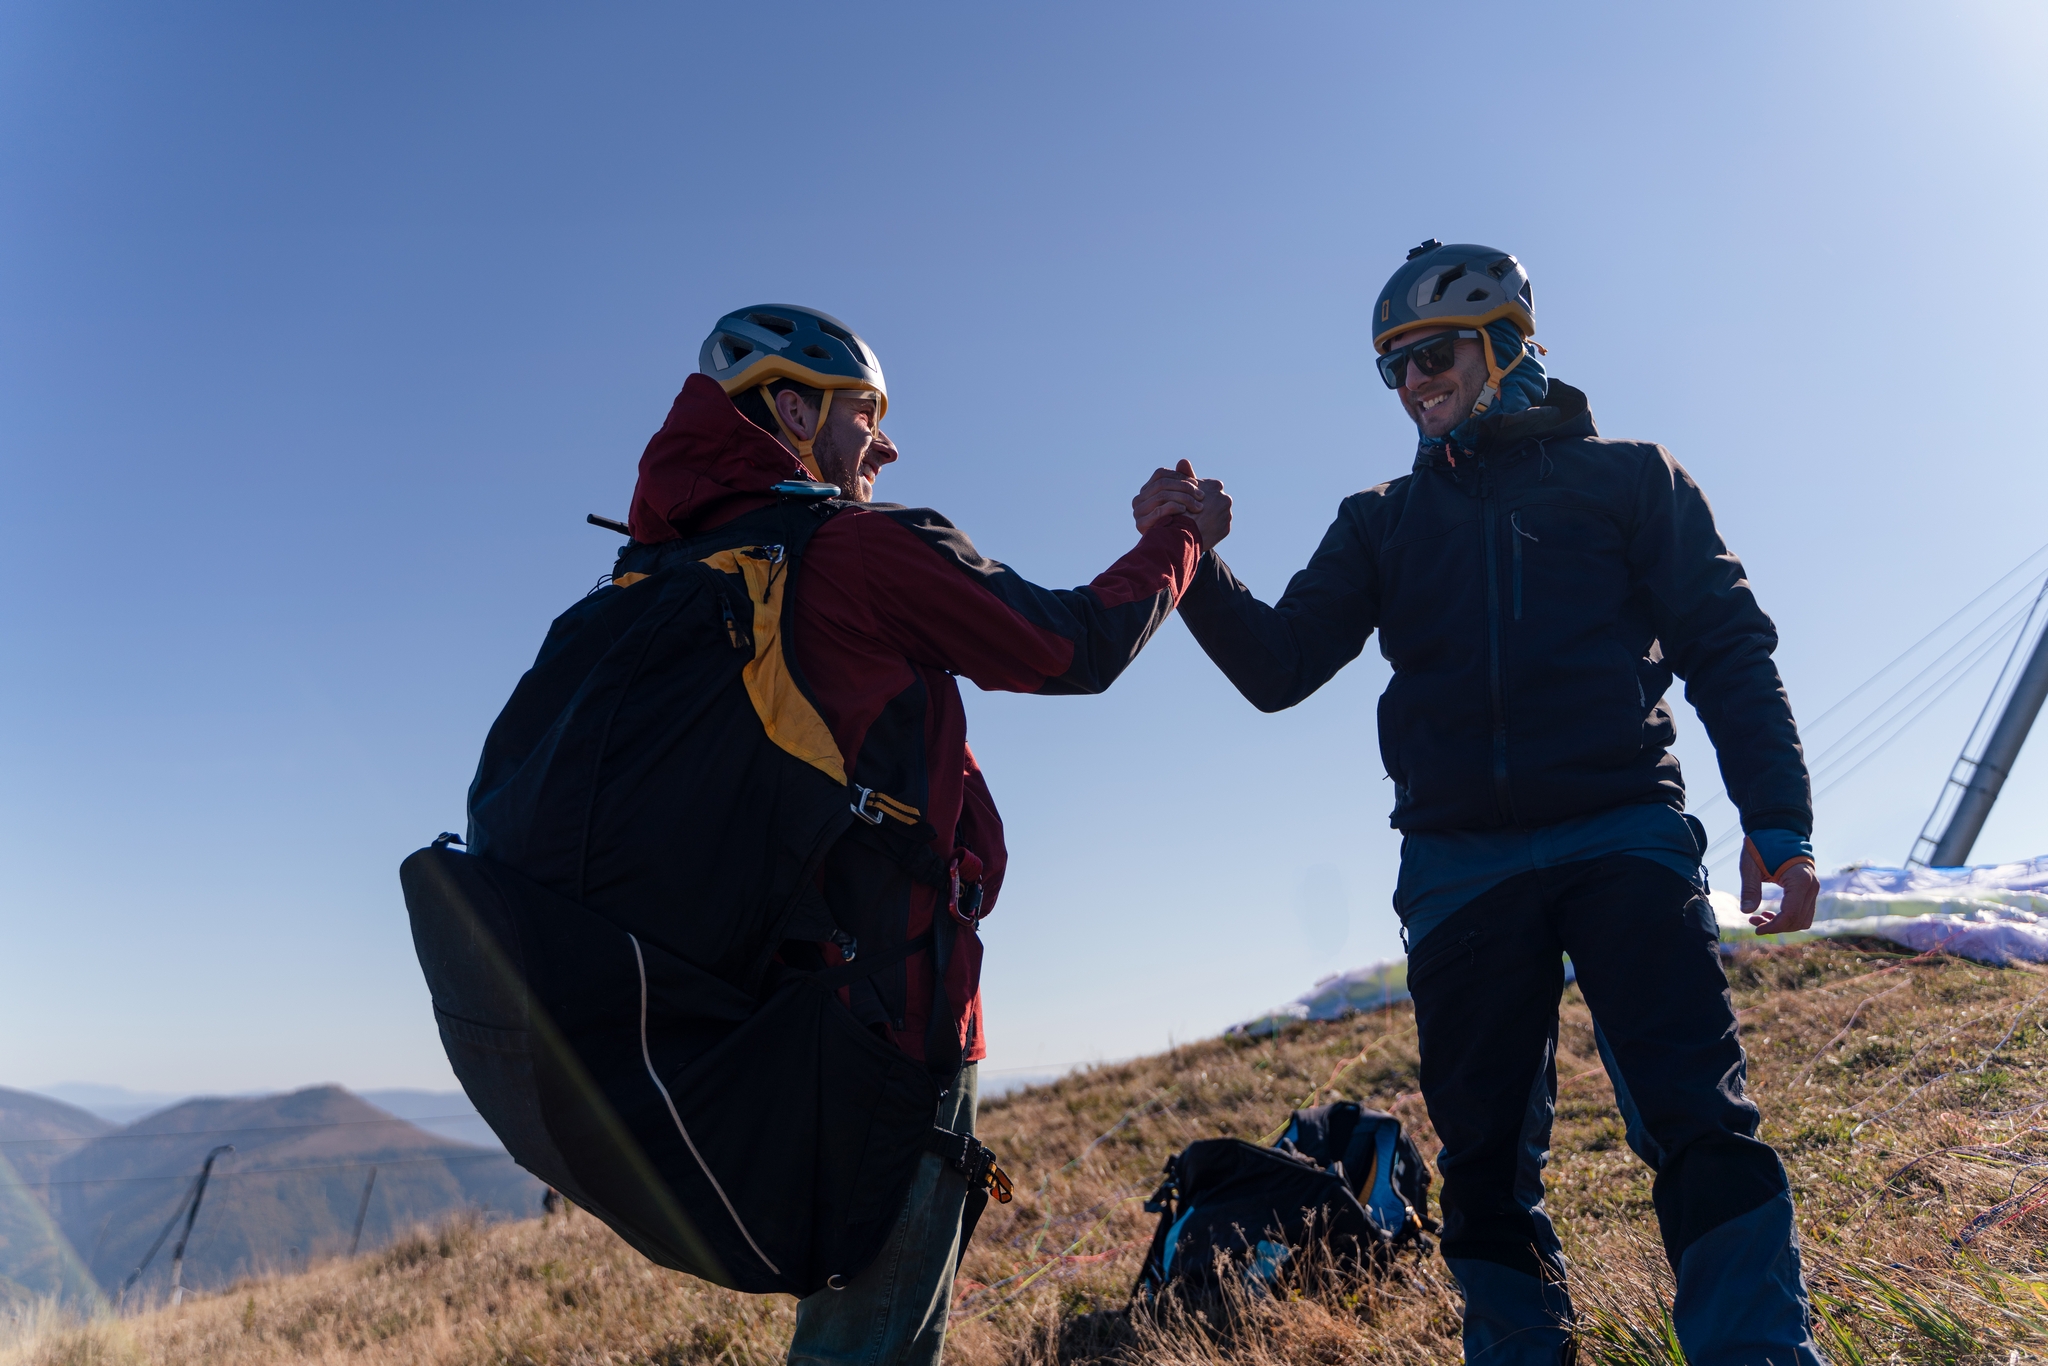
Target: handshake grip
{"points": [[1181, 492]]}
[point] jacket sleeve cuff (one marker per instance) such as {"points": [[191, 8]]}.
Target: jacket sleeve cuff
{"points": [[1774, 851]]}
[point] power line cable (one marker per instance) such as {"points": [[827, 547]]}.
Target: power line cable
{"points": [[1848, 739], [1844, 748], [1834, 749], [1946, 623], [1956, 788], [1963, 671], [1939, 689]]}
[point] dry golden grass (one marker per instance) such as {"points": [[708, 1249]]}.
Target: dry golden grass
{"points": [[1906, 1095]]}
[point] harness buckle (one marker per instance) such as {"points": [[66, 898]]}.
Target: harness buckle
{"points": [[863, 796], [977, 1162], [973, 1159]]}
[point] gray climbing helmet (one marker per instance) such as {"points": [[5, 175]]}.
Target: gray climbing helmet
{"points": [[752, 347], [1463, 285]]}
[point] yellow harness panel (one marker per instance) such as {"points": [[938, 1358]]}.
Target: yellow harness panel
{"points": [[786, 714]]}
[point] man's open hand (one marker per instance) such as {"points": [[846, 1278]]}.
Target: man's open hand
{"points": [[1178, 491], [1795, 912]]}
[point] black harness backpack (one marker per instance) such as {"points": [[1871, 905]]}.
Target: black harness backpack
{"points": [[1341, 1176], [610, 961]]}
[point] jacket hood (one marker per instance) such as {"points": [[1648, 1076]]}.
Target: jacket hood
{"points": [[706, 466], [1563, 414]]}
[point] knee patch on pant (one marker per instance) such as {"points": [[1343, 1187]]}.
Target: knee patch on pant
{"points": [[1711, 1182], [1519, 1257]]}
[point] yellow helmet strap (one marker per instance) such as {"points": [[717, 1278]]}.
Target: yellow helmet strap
{"points": [[802, 444], [1494, 374]]}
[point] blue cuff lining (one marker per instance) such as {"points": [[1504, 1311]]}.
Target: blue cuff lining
{"points": [[1774, 847]]}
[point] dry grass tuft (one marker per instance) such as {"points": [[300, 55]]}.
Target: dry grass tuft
{"points": [[1906, 1094]]}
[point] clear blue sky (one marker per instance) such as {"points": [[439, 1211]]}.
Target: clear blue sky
{"points": [[322, 326]]}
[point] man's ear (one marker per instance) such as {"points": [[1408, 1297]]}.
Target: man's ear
{"points": [[800, 417]]}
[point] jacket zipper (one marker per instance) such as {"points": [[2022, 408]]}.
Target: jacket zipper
{"points": [[1500, 718], [1516, 528], [1515, 525]]}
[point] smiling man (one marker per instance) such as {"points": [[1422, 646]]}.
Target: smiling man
{"points": [[892, 606], [1537, 589]]}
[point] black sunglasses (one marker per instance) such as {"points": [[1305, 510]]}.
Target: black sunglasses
{"points": [[1432, 357]]}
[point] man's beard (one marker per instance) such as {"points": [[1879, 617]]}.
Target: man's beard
{"points": [[835, 468]]}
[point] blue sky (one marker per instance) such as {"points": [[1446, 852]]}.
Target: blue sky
{"points": [[322, 326]]}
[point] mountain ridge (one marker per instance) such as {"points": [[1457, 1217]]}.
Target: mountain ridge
{"points": [[85, 1200]]}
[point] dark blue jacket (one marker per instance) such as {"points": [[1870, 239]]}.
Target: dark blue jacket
{"points": [[1536, 595]]}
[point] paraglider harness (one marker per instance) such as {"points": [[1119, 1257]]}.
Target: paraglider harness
{"points": [[613, 961]]}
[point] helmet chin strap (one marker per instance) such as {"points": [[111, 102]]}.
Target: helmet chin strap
{"points": [[1494, 374], [803, 445]]}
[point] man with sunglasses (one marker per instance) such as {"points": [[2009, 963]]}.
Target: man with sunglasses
{"points": [[1537, 589]]}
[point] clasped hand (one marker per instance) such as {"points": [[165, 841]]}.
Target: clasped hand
{"points": [[1171, 493]]}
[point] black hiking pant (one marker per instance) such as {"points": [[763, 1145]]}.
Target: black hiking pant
{"points": [[1645, 947]]}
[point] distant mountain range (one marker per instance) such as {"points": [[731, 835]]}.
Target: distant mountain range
{"points": [[82, 1200], [447, 1113]]}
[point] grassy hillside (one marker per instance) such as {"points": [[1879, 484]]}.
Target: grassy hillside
{"points": [[1906, 1093]]}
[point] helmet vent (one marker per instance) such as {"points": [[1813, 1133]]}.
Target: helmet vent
{"points": [[1445, 281], [1476, 295], [762, 343], [1431, 245], [1499, 269]]}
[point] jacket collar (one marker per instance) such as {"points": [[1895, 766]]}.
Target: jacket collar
{"points": [[1562, 415], [707, 465]]}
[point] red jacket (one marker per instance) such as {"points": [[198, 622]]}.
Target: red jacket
{"points": [[891, 604]]}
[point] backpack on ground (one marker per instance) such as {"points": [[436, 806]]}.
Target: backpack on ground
{"points": [[610, 963], [1341, 1177]]}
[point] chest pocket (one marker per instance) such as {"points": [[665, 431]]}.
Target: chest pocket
{"points": [[1562, 555]]}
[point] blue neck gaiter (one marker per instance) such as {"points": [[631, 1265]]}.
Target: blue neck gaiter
{"points": [[1520, 389]]}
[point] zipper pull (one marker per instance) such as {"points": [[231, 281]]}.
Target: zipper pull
{"points": [[773, 554], [732, 627]]}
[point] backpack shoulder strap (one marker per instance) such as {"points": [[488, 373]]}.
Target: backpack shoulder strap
{"points": [[789, 523]]}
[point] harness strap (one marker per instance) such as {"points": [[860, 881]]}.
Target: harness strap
{"points": [[909, 849], [969, 1156], [847, 973], [973, 1159], [941, 1038]]}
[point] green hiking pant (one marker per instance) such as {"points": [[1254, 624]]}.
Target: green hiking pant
{"points": [[894, 1312]]}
